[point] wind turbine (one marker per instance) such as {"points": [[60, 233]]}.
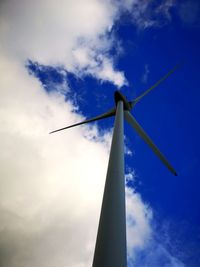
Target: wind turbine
{"points": [[110, 249]]}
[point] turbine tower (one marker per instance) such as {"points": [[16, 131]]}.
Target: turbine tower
{"points": [[110, 249]]}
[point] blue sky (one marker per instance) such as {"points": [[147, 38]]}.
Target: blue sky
{"points": [[145, 41]]}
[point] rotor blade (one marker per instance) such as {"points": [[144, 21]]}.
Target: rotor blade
{"points": [[102, 116], [132, 121], [155, 85]]}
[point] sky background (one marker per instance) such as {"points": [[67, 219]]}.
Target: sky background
{"points": [[61, 62]]}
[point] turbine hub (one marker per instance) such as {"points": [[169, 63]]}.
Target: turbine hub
{"points": [[119, 97]]}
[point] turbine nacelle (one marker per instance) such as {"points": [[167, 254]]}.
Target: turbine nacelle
{"points": [[119, 97]]}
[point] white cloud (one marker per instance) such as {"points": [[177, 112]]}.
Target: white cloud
{"points": [[146, 73], [144, 247], [139, 217], [155, 254], [91, 62], [72, 33], [146, 14], [50, 197], [165, 8]]}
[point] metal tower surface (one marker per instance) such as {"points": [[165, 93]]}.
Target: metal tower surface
{"points": [[110, 247]]}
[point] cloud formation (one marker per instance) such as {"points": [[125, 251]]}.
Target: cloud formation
{"points": [[50, 197], [75, 34]]}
